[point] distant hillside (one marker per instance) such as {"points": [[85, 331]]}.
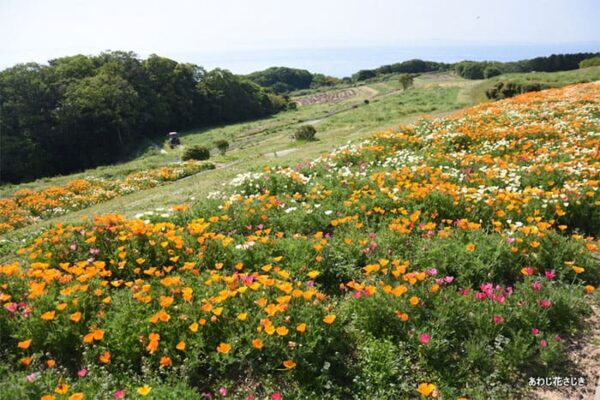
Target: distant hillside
{"points": [[285, 80], [480, 69], [82, 111]]}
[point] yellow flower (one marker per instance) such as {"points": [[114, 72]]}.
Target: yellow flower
{"points": [[414, 300], [76, 396], [242, 316], [470, 247], [289, 364], [313, 274], [180, 346], [257, 344], [223, 347], [329, 319], [144, 390], [301, 327], [24, 344], [62, 388], [426, 389], [282, 331], [578, 270]]}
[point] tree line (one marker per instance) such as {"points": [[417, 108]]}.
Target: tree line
{"points": [[79, 112], [285, 80], [480, 69]]}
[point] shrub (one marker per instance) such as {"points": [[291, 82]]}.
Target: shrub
{"points": [[590, 62], [491, 71], [196, 153], [406, 80], [222, 145], [305, 132]]}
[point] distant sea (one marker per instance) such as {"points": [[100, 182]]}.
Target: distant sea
{"points": [[344, 61]]}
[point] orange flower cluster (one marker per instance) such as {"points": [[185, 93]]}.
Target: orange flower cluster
{"points": [[27, 206]]}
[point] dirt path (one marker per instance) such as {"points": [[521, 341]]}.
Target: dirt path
{"points": [[584, 357]]}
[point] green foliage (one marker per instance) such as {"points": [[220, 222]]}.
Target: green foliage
{"points": [[305, 132], [222, 145], [285, 80], [406, 67], [470, 69], [198, 153], [491, 70], [503, 90], [83, 111], [590, 62], [553, 63], [406, 81]]}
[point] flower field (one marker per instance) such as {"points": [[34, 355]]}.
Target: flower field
{"points": [[451, 259], [27, 206]]}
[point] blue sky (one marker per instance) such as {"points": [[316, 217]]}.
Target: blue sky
{"points": [[193, 30]]}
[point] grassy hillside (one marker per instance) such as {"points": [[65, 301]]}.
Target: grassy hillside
{"points": [[267, 142], [453, 258]]}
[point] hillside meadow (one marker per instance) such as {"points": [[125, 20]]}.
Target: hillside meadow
{"points": [[453, 258], [125, 187]]}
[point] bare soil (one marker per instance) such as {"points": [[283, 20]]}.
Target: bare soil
{"points": [[584, 355], [326, 97]]}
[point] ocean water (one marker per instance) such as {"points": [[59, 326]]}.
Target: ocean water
{"points": [[344, 61]]}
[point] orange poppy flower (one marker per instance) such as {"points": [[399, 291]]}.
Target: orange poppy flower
{"points": [[223, 348]]}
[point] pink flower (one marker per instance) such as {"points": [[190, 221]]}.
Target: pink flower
{"points": [[535, 331], [82, 372], [11, 307], [448, 279], [498, 319], [480, 296], [276, 396], [464, 291], [119, 394], [424, 338], [557, 339], [545, 303], [431, 271], [536, 286], [32, 377], [357, 294], [223, 391], [550, 275], [249, 397], [543, 343]]}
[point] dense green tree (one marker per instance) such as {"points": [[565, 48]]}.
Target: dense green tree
{"points": [[82, 111], [282, 79]]}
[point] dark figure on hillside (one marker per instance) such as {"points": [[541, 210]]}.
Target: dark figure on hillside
{"points": [[173, 140]]}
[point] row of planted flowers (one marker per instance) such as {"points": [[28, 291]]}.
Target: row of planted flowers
{"points": [[28, 206], [452, 259]]}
